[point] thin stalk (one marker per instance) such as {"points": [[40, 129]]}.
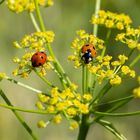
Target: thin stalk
{"points": [[1, 1], [24, 85], [21, 120], [83, 79], [106, 40], [135, 61], [34, 21], [23, 110], [120, 104], [116, 106], [97, 8], [103, 91], [86, 80], [117, 114], [95, 32], [42, 26], [115, 101], [60, 76], [109, 126], [44, 79], [57, 65]]}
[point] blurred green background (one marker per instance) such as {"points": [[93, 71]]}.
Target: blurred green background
{"points": [[64, 18]]}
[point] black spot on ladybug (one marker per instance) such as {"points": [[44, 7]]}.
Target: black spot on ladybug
{"points": [[89, 50], [87, 45], [93, 47], [42, 57]]}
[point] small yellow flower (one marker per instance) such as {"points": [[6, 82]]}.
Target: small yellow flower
{"points": [[57, 119], [73, 86], [25, 75], [43, 98], [87, 97], [131, 43], [116, 80], [50, 109], [125, 70], [74, 125], [15, 72], [122, 59], [132, 73], [71, 111], [60, 106], [50, 3], [53, 100], [40, 106], [136, 92], [3, 76], [109, 73], [42, 124], [107, 58], [115, 63], [84, 109]]}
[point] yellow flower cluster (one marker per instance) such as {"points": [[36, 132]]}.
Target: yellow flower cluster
{"points": [[36, 41], [31, 44], [18, 6], [127, 71], [82, 39], [66, 102], [130, 37], [107, 69], [111, 20]]}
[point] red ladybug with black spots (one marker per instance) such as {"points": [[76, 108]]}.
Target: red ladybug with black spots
{"points": [[89, 52], [38, 59]]}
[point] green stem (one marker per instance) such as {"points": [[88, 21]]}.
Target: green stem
{"points": [[106, 40], [117, 114], [120, 104], [109, 126], [23, 85], [135, 61], [57, 65], [95, 32], [103, 91], [115, 101], [83, 129], [97, 8], [42, 26], [1, 1], [130, 53], [21, 120], [86, 80], [23, 110], [83, 79], [44, 79], [34, 21]]}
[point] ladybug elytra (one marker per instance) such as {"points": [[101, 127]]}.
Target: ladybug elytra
{"points": [[89, 52], [38, 59]]}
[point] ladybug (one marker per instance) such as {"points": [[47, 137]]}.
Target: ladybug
{"points": [[38, 59], [89, 52]]}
